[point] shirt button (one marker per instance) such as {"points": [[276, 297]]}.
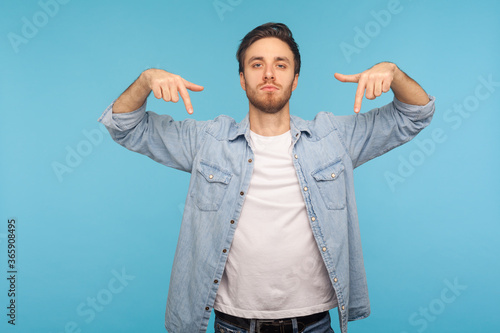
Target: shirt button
{"points": [[343, 307], [335, 280], [313, 219], [295, 156], [216, 281], [305, 188], [324, 249], [333, 175], [250, 160], [207, 308], [232, 222], [211, 176], [224, 251], [241, 193]]}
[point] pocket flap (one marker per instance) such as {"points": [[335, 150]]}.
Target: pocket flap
{"points": [[214, 174], [329, 172]]}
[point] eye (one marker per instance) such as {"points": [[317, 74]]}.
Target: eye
{"points": [[256, 65], [282, 66]]}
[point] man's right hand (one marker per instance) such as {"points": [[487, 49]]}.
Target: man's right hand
{"points": [[164, 85], [168, 86]]}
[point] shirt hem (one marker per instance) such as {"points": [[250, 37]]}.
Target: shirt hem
{"points": [[252, 314]]}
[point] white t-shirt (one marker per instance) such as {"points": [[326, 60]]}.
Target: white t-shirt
{"points": [[274, 268]]}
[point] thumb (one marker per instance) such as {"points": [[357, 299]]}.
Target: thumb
{"points": [[347, 78], [192, 86]]}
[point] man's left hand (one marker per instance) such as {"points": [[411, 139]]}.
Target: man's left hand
{"points": [[375, 81]]}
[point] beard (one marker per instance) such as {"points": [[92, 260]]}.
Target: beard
{"points": [[269, 101]]}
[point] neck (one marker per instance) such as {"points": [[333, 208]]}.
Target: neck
{"points": [[269, 124]]}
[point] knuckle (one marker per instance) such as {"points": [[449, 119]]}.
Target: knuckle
{"points": [[175, 80], [159, 82]]}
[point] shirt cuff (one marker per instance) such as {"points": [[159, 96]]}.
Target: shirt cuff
{"points": [[416, 111], [122, 121]]}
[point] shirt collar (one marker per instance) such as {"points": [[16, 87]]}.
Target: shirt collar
{"points": [[297, 126]]}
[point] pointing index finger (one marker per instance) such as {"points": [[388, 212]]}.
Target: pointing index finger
{"points": [[360, 91], [185, 97]]}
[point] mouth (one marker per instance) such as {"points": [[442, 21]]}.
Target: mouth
{"points": [[269, 87]]}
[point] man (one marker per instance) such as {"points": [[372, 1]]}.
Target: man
{"points": [[269, 237]]}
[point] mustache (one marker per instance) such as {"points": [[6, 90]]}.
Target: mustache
{"points": [[269, 84]]}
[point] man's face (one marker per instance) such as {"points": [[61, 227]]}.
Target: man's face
{"points": [[268, 77]]}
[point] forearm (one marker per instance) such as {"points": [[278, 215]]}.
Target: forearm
{"points": [[370, 134], [134, 97], [407, 90]]}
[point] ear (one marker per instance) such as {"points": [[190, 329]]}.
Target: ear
{"points": [[295, 82], [242, 81]]}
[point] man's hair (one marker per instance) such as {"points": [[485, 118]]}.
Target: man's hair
{"points": [[271, 29]]}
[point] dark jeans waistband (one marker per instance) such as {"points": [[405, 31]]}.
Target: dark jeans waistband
{"points": [[272, 325]]}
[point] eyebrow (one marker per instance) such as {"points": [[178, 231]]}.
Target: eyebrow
{"points": [[285, 59]]}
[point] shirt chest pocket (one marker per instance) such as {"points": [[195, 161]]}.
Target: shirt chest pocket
{"points": [[210, 187], [331, 184]]}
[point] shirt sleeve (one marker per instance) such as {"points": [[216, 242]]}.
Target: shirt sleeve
{"points": [[171, 143], [371, 134]]}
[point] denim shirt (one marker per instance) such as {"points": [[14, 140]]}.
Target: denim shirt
{"points": [[219, 157]]}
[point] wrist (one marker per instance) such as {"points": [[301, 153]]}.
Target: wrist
{"points": [[144, 79], [398, 77]]}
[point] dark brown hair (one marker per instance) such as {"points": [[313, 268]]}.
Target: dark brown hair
{"points": [[271, 29]]}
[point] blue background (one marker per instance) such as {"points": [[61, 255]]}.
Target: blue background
{"points": [[82, 219]]}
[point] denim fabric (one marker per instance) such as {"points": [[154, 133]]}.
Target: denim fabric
{"points": [[322, 326], [218, 156]]}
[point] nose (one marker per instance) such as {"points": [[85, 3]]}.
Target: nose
{"points": [[269, 73]]}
